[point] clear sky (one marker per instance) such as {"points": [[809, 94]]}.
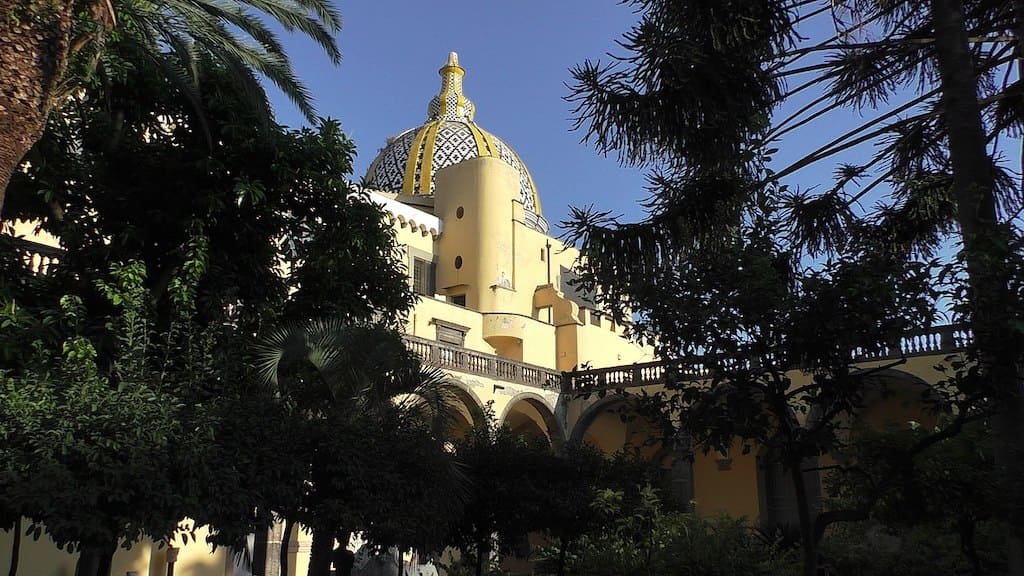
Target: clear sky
{"points": [[517, 57]]}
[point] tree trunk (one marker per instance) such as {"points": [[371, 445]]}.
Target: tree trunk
{"points": [[482, 552], [984, 248], [561, 557], [344, 560], [808, 539], [321, 552], [965, 526], [35, 37], [259, 552], [95, 560], [15, 548], [286, 541]]}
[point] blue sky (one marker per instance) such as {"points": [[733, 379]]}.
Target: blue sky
{"points": [[517, 57]]}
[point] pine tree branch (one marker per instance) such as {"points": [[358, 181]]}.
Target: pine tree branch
{"points": [[841, 143], [781, 128]]}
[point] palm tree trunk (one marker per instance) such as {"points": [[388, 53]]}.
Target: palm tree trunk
{"points": [[35, 37], [973, 184], [482, 551], [15, 548], [259, 552]]}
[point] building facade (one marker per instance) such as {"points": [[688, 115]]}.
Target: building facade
{"points": [[499, 311]]}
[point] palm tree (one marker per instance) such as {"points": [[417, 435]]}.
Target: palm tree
{"points": [[48, 49], [361, 390]]}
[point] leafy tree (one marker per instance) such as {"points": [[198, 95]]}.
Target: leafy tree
{"points": [[507, 491], [50, 49], [573, 479], [87, 452], [952, 491], [263, 199], [696, 99], [127, 176], [637, 536], [374, 414], [749, 356]]}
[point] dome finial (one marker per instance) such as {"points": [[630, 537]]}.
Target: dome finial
{"points": [[451, 103]]}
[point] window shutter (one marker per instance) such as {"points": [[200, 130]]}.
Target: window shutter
{"points": [[450, 335]]}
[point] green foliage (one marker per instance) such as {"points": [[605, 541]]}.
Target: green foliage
{"points": [[874, 549], [372, 420], [941, 506], [507, 491], [86, 450], [174, 35], [637, 537], [206, 230], [127, 175], [574, 480], [739, 280]]}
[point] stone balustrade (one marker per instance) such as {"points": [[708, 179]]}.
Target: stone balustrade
{"points": [[936, 340], [37, 257], [459, 359]]}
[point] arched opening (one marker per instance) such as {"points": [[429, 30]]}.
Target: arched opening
{"points": [[529, 415], [895, 399], [613, 425], [466, 411]]}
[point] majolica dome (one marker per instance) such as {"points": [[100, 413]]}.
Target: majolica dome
{"points": [[408, 163]]}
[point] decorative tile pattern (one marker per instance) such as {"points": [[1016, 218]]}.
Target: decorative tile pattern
{"points": [[454, 144], [387, 172], [450, 114]]}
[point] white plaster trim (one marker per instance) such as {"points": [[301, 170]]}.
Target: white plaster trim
{"points": [[416, 218]]}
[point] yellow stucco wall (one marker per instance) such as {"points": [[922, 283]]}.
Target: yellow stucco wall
{"points": [[42, 558], [726, 484], [735, 487], [487, 252]]}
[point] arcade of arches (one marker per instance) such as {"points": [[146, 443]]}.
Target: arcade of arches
{"points": [[736, 481]]}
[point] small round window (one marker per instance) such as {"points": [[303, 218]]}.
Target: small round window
{"points": [[460, 212], [458, 262]]}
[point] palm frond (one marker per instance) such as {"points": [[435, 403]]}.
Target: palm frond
{"points": [[234, 32], [817, 224]]}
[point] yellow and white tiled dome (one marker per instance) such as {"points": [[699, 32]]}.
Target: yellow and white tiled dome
{"points": [[408, 163]]}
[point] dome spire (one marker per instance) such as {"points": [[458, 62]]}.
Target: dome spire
{"points": [[451, 103]]}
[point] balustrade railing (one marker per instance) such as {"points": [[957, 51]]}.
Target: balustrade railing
{"points": [[462, 359], [937, 340], [37, 257]]}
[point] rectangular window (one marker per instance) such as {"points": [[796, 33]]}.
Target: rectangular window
{"points": [[449, 333], [422, 276], [451, 336], [459, 300]]}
